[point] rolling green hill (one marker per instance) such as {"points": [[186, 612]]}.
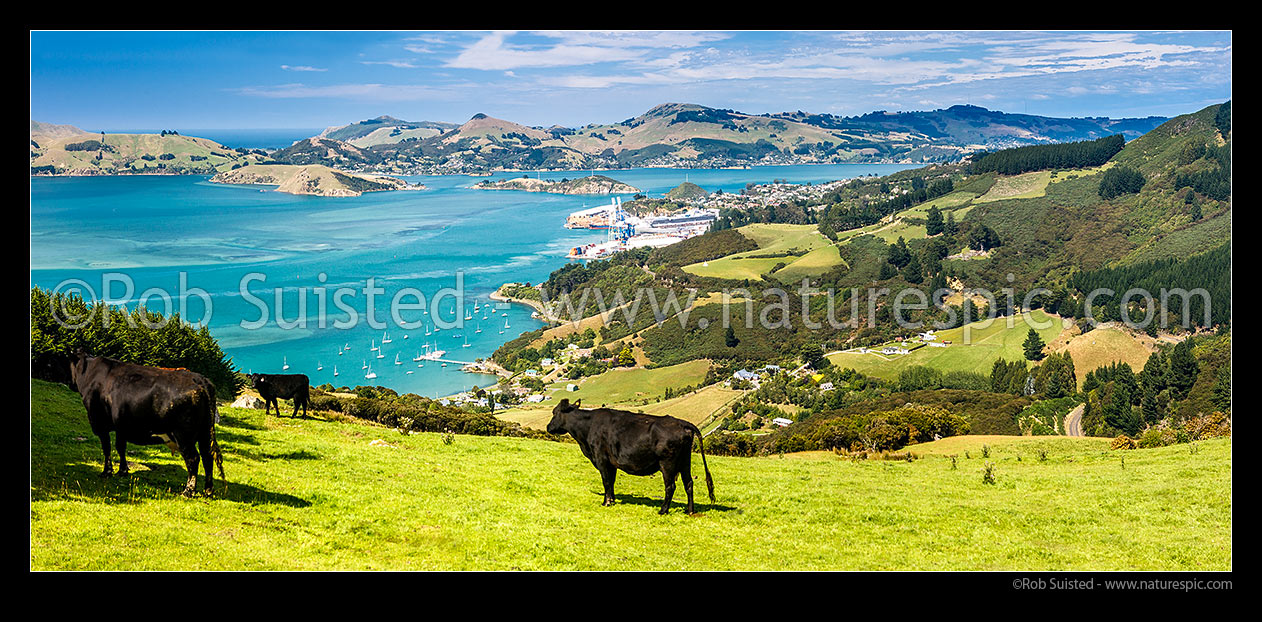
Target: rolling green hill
{"points": [[318, 494]]}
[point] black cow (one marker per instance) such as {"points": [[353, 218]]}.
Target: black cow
{"points": [[637, 443], [148, 406], [289, 386]]}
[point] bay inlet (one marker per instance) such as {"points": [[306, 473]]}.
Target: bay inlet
{"points": [[153, 231]]}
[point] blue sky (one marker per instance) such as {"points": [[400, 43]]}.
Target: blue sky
{"points": [[122, 80]]}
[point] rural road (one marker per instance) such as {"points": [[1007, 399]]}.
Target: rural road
{"points": [[1073, 421]]}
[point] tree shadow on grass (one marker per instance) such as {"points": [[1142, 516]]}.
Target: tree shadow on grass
{"points": [[149, 481]]}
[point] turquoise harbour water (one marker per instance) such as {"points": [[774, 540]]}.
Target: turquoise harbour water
{"points": [[151, 229]]}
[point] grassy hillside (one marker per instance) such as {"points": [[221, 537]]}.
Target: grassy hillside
{"points": [[1049, 230], [696, 407], [1105, 346], [315, 494], [66, 150], [803, 250]]}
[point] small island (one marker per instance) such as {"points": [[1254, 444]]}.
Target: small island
{"points": [[592, 184], [314, 179]]}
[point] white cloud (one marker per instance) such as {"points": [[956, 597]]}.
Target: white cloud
{"points": [[401, 64], [301, 68], [372, 92], [493, 53]]}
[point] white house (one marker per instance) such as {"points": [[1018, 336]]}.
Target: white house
{"points": [[827, 386], [547, 362], [781, 421], [571, 387], [937, 344], [893, 350], [534, 399]]}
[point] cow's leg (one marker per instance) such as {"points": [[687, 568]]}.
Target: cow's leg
{"points": [[685, 474], [608, 473], [188, 449], [203, 446], [121, 445], [295, 407], [105, 449], [668, 476]]}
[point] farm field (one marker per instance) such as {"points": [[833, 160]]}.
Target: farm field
{"points": [[779, 239], [1105, 346], [312, 494], [1023, 186], [694, 407], [1032, 185], [947, 203], [986, 344], [624, 386]]}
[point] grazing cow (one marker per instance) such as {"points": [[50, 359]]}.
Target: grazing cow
{"points": [[289, 386], [637, 443], [148, 406]]}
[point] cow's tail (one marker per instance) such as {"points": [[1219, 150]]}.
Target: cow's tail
{"points": [[709, 483], [214, 444]]}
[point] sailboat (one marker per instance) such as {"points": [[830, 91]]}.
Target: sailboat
{"points": [[370, 375], [385, 338], [347, 346], [418, 358], [396, 359], [374, 347], [340, 352], [319, 366], [286, 366], [466, 341], [335, 370], [427, 331], [505, 323], [479, 328], [467, 315], [380, 354], [365, 365], [405, 335]]}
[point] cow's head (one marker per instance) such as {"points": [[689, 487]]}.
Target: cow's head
{"points": [[78, 367], [254, 379], [560, 414]]}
